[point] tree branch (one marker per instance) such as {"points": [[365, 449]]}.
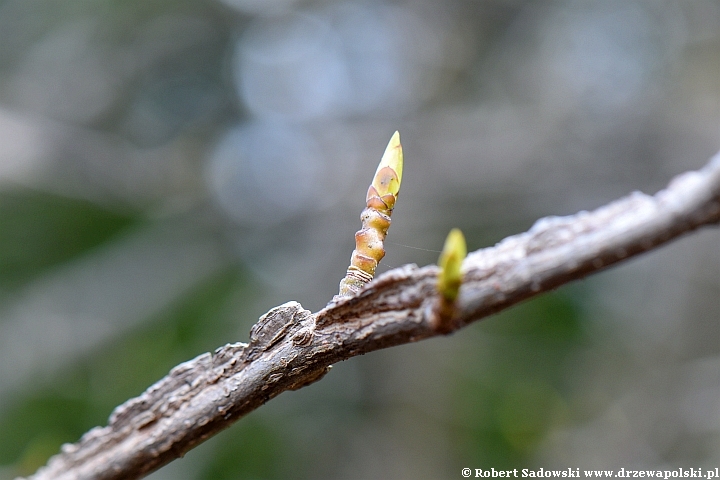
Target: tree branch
{"points": [[291, 347]]}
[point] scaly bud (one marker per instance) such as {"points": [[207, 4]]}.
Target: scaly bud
{"points": [[380, 201]]}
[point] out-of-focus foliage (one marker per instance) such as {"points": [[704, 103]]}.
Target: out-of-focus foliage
{"points": [[170, 170], [40, 230], [518, 389]]}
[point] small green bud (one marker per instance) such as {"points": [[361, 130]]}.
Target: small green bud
{"points": [[450, 262]]}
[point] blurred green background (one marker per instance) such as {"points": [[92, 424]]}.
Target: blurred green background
{"points": [[170, 170]]}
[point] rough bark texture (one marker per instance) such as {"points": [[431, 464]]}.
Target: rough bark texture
{"points": [[291, 347]]}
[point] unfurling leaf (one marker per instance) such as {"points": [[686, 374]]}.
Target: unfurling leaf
{"points": [[451, 258], [389, 172], [380, 201]]}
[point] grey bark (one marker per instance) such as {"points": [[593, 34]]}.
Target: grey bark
{"points": [[291, 347]]}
